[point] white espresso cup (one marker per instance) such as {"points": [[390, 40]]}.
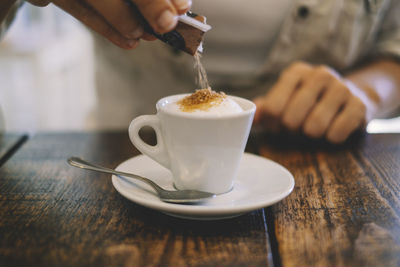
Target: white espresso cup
{"points": [[203, 152]]}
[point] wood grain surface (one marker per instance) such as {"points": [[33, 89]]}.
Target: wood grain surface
{"points": [[52, 214], [9, 143], [345, 208]]}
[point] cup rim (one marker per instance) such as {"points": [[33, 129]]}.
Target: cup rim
{"points": [[246, 112]]}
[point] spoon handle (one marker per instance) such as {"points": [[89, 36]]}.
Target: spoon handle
{"points": [[80, 163]]}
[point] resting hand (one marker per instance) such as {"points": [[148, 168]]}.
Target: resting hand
{"points": [[116, 21], [317, 101]]}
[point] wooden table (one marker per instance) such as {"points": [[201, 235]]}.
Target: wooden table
{"points": [[344, 210]]}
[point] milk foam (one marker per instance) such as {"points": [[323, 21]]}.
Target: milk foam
{"points": [[226, 107]]}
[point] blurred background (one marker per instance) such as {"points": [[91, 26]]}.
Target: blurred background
{"points": [[46, 72], [47, 75]]}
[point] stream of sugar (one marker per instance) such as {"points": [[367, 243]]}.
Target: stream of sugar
{"points": [[201, 79]]}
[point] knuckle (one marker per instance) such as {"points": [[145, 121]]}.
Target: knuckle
{"points": [[290, 122], [314, 126], [286, 73], [272, 111], [323, 69], [295, 67], [319, 120], [336, 137], [272, 107], [324, 73], [311, 131], [358, 105], [298, 66], [341, 89]]}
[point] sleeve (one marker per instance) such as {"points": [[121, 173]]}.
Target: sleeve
{"points": [[388, 39], [5, 24]]}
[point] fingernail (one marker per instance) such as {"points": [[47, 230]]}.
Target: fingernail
{"points": [[138, 32], [132, 43], [182, 4], [167, 20]]}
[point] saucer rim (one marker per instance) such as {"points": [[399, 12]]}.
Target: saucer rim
{"points": [[200, 210]]}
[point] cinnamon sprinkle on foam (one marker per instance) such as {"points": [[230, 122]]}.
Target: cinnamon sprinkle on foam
{"points": [[202, 99]]}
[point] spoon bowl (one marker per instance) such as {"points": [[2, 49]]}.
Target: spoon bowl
{"points": [[178, 196]]}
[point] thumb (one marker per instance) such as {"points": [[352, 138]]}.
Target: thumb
{"points": [[160, 14]]}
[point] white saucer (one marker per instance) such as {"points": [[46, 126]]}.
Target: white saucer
{"points": [[260, 183]]}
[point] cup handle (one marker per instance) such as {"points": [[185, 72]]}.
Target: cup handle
{"points": [[157, 152]]}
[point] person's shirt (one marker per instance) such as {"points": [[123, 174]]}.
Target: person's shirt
{"points": [[338, 33], [241, 36], [264, 36]]}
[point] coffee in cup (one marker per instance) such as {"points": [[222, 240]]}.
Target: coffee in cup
{"points": [[200, 138], [205, 102]]}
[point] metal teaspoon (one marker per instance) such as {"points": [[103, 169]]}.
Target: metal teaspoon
{"points": [[179, 196]]}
